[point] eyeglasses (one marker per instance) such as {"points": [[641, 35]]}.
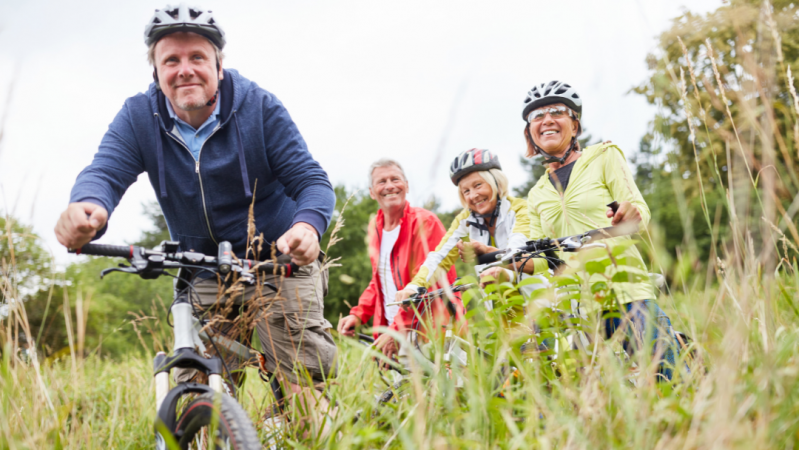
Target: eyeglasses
{"points": [[554, 111]]}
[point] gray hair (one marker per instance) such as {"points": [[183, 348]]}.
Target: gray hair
{"points": [[385, 162], [151, 52]]}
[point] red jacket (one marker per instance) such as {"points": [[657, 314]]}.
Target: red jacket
{"points": [[420, 233]]}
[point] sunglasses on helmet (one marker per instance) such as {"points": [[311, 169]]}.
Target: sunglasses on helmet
{"points": [[554, 111]]}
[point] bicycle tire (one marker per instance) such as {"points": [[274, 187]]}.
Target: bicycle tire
{"points": [[233, 427]]}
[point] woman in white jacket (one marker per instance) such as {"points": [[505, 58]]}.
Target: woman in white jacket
{"points": [[491, 219]]}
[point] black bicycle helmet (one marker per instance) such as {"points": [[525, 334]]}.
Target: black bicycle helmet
{"points": [[553, 92], [470, 161], [183, 18]]}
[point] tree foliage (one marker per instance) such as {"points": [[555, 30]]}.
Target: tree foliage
{"points": [[726, 130], [354, 270]]}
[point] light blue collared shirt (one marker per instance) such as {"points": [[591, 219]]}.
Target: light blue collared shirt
{"points": [[194, 139]]}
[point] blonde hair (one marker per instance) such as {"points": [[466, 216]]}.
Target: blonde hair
{"points": [[496, 179]]}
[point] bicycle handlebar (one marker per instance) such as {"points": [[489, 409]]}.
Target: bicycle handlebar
{"points": [[151, 263], [431, 295], [564, 244]]}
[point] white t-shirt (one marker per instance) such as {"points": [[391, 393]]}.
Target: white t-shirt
{"points": [[385, 271]]}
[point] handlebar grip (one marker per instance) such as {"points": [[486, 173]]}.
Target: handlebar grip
{"points": [[486, 258], [269, 268], [120, 251]]}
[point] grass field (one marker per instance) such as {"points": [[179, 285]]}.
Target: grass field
{"points": [[742, 394]]}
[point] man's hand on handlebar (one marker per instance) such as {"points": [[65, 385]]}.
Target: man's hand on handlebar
{"points": [[469, 250], [79, 223], [386, 345], [625, 213], [347, 325], [301, 242]]}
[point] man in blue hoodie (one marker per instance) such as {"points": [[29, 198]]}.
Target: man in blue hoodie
{"points": [[214, 144]]}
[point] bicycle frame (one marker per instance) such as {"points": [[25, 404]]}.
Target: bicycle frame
{"points": [[186, 339]]}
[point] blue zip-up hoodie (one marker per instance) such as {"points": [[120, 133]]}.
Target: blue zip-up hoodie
{"points": [[207, 201]]}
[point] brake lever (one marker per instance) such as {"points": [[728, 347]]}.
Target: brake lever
{"points": [[122, 268]]}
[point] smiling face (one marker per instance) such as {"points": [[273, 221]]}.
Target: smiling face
{"points": [[389, 188], [479, 195], [554, 135], [187, 73]]}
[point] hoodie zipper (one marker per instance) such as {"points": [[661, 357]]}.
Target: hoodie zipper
{"points": [[199, 177]]}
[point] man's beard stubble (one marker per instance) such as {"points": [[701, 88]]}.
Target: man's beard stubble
{"points": [[187, 105]]}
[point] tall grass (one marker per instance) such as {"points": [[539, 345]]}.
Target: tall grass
{"points": [[742, 389]]}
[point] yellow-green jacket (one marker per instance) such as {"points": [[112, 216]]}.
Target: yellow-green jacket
{"points": [[512, 226], [599, 176]]}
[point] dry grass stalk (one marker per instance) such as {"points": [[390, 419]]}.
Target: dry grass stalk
{"points": [[328, 262], [792, 90], [723, 92]]}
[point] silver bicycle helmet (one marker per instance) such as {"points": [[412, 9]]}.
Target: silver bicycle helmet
{"points": [[472, 160], [553, 92], [183, 18]]}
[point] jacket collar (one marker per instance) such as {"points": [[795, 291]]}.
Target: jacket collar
{"points": [[380, 218]]}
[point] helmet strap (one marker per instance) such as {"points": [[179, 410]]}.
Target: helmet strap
{"points": [[551, 159], [213, 99]]}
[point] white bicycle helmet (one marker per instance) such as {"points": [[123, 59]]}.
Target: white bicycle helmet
{"points": [[183, 18], [553, 92]]}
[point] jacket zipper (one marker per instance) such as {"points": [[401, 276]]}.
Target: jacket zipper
{"points": [[199, 177]]}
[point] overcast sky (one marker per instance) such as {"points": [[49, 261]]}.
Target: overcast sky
{"points": [[418, 81]]}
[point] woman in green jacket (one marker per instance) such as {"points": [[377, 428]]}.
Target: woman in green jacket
{"points": [[571, 198]]}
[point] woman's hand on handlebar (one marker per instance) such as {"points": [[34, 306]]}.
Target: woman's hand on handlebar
{"points": [[469, 250], [404, 294], [625, 213], [347, 325]]}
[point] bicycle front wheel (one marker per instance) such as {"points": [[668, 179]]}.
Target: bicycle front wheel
{"points": [[204, 425]]}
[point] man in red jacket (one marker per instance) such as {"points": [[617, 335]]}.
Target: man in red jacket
{"points": [[400, 237]]}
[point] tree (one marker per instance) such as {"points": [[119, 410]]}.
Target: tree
{"points": [[24, 264], [159, 231], [354, 270], [726, 115]]}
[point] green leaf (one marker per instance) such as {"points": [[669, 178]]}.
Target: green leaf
{"points": [[631, 262], [593, 267], [565, 280], [619, 248], [624, 276], [528, 281], [599, 286]]}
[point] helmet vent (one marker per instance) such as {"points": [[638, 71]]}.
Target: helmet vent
{"points": [[552, 92], [194, 13]]}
